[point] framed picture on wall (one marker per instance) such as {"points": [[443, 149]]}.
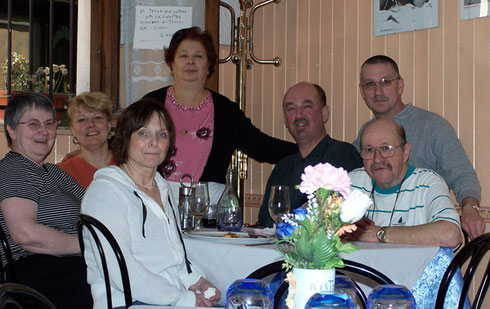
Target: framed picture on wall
{"points": [[474, 8], [394, 16]]}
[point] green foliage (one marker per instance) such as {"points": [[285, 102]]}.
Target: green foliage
{"points": [[19, 74], [20, 77], [315, 244]]}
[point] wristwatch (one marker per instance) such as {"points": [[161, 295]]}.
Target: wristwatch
{"points": [[474, 206], [381, 235]]}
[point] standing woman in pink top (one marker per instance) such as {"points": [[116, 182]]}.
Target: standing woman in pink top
{"points": [[90, 114], [208, 126]]}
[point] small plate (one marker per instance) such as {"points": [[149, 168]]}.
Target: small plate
{"points": [[218, 236]]}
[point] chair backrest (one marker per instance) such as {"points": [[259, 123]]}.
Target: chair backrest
{"points": [[365, 271], [13, 295], [91, 224], [350, 266], [476, 250], [7, 270]]}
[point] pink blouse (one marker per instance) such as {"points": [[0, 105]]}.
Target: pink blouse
{"points": [[194, 128]]}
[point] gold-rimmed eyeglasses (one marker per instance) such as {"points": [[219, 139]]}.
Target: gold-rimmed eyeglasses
{"points": [[384, 82], [386, 151], [36, 124]]}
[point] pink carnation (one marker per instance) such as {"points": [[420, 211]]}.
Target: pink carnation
{"points": [[324, 175]]}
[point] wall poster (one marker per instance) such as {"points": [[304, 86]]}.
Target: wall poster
{"points": [[394, 16], [473, 8]]}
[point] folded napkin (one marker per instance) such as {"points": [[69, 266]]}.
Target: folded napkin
{"points": [[267, 232]]}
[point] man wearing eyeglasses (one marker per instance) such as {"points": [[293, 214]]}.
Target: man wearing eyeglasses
{"points": [[410, 205], [435, 144]]}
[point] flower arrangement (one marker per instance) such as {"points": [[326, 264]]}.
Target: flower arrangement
{"points": [[311, 235], [20, 77]]}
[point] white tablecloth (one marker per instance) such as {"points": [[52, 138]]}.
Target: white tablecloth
{"points": [[224, 263]]}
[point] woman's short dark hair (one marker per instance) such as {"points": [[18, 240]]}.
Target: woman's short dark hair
{"points": [[17, 106], [193, 34], [133, 118]]}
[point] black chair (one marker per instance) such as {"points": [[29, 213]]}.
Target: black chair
{"points": [[18, 296], [350, 266], [476, 250], [91, 224], [7, 270]]}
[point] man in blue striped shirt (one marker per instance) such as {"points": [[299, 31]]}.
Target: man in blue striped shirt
{"points": [[410, 205]]}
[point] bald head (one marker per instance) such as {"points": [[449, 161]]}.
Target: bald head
{"points": [[322, 97], [381, 125]]}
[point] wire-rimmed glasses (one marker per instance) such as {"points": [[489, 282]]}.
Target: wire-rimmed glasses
{"points": [[386, 151], [35, 124], [384, 82]]}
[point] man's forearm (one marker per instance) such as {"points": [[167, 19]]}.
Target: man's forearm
{"points": [[440, 233]]}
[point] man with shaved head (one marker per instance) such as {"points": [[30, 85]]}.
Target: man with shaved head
{"points": [[410, 205], [305, 114]]}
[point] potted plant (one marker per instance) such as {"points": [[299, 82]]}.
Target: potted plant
{"points": [[20, 78], [311, 241]]}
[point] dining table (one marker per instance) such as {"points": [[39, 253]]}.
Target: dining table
{"points": [[417, 267]]}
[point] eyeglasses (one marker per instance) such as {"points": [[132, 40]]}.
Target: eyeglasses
{"points": [[386, 151], [35, 125], [384, 82]]}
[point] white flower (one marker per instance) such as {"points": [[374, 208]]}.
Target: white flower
{"points": [[354, 207]]}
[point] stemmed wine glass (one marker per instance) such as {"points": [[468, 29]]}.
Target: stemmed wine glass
{"points": [[279, 202], [199, 202]]}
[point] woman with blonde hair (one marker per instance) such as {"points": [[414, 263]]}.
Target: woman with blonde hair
{"points": [[90, 114]]}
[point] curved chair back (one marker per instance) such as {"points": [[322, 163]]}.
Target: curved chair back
{"points": [[476, 250], [13, 295], [91, 224], [351, 266], [7, 270]]}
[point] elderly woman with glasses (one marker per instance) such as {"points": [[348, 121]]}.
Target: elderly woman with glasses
{"points": [[39, 206]]}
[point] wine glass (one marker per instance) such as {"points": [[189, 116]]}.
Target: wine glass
{"points": [[279, 202], [199, 202]]}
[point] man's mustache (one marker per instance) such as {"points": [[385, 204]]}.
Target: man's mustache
{"points": [[380, 98], [300, 119], [374, 166]]}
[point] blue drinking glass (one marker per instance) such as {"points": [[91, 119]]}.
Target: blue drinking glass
{"points": [[249, 293], [344, 284], [391, 296], [336, 299]]}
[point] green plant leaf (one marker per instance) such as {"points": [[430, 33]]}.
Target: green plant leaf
{"points": [[347, 248], [322, 250], [304, 248]]}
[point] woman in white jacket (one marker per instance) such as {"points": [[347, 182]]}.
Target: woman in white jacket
{"points": [[133, 201]]}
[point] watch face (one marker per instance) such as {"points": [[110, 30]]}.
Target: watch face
{"points": [[381, 235]]}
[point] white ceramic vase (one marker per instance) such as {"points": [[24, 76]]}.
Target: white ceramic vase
{"points": [[311, 281]]}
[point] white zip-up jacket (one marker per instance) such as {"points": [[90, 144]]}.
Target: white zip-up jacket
{"points": [[148, 237]]}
